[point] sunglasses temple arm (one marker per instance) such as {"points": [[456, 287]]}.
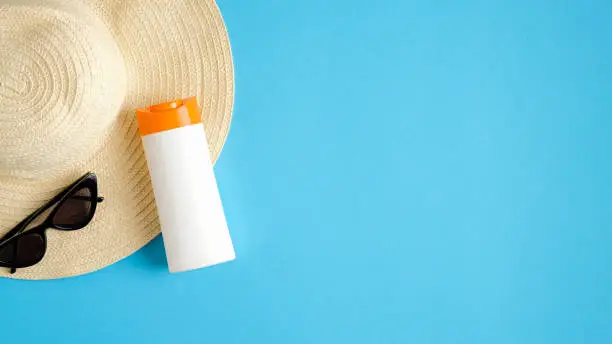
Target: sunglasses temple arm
{"points": [[23, 224], [16, 230]]}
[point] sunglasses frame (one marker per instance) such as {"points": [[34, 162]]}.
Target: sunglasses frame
{"points": [[89, 181]]}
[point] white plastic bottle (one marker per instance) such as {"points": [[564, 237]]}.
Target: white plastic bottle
{"points": [[192, 220]]}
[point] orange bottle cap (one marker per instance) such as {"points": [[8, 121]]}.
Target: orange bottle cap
{"points": [[167, 116]]}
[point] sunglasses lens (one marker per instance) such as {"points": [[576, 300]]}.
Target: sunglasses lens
{"points": [[76, 210], [26, 250]]}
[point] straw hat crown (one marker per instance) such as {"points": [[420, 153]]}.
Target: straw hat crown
{"points": [[62, 83]]}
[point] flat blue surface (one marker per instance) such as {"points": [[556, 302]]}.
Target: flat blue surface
{"points": [[397, 172]]}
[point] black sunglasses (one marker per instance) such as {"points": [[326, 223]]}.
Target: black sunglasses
{"points": [[74, 209]]}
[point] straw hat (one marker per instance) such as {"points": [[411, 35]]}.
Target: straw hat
{"points": [[72, 73]]}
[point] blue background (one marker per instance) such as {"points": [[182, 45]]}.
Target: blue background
{"points": [[396, 172]]}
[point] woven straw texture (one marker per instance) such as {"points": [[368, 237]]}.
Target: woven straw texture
{"points": [[72, 73]]}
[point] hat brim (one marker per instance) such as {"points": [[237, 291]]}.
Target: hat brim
{"points": [[171, 50]]}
